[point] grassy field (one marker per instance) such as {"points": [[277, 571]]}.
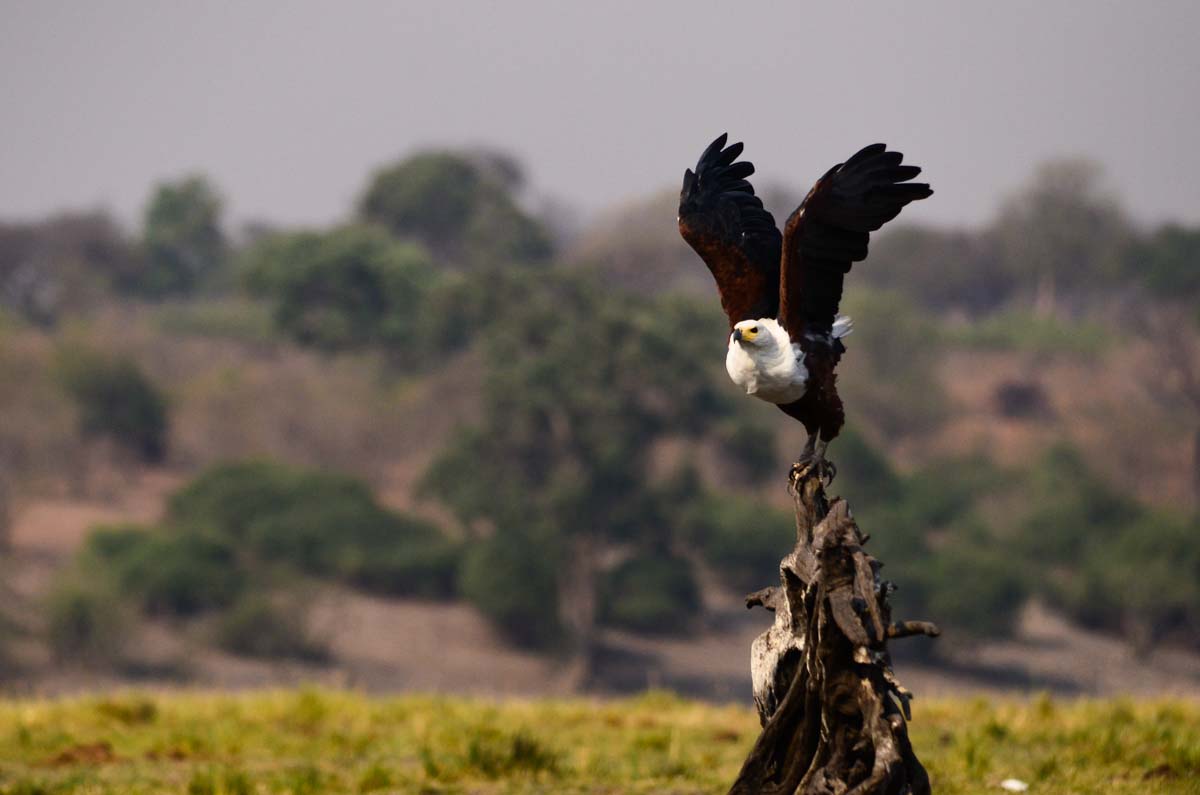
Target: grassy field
{"points": [[313, 741]]}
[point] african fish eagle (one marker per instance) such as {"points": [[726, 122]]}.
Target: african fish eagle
{"points": [[781, 292]]}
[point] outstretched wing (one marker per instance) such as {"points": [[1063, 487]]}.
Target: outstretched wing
{"points": [[722, 219], [830, 230]]}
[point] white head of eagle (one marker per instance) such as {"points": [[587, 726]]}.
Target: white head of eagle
{"points": [[763, 360]]}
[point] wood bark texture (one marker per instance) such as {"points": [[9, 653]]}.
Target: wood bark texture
{"points": [[833, 714]]}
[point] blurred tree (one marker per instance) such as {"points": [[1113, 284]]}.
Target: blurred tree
{"points": [[652, 593], [116, 399], [637, 245], [1061, 232], [1167, 261], [319, 523], [167, 573], [865, 472], [889, 377], [341, 289], [581, 384], [184, 245], [1109, 561], [737, 536], [1069, 508], [972, 585], [86, 624], [1144, 582], [257, 626], [512, 580], [461, 206], [1172, 372], [930, 532], [939, 269], [62, 265], [5, 515]]}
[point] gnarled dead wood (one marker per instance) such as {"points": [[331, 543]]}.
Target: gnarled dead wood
{"points": [[833, 714]]}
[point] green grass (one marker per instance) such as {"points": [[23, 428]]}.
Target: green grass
{"points": [[314, 741]]}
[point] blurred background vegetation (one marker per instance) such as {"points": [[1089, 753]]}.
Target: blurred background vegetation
{"points": [[449, 398]]}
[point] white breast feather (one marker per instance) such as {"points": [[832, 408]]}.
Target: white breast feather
{"points": [[773, 371]]}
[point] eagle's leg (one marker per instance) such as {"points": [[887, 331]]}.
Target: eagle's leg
{"points": [[812, 461], [824, 469], [804, 463]]}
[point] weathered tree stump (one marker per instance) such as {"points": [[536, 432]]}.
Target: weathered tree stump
{"points": [[833, 714]]}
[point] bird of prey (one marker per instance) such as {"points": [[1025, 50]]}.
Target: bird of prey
{"points": [[781, 291]]}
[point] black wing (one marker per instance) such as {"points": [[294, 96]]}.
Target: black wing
{"points": [[722, 219], [830, 230]]}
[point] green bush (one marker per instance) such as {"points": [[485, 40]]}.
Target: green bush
{"points": [[1166, 261], [245, 524], [748, 449], [256, 627], [314, 535], [347, 288], [116, 399], [973, 586], [650, 593], [864, 472], [229, 498], [108, 544], [85, 621], [323, 524], [184, 575], [512, 582], [740, 538], [1070, 509], [1070, 537], [1144, 582], [425, 567], [936, 547], [169, 573]]}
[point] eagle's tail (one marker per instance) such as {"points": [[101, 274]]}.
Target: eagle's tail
{"points": [[842, 326]]}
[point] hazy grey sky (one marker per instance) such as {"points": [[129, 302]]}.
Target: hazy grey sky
{"points": [[289, 105]]}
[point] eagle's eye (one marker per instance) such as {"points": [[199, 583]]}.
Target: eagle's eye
{"points": [[754, 329]]}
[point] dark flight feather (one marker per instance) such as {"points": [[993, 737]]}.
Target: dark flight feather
{"points": [[726, 224], [830, 231]]}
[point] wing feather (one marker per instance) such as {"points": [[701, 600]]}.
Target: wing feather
{"points": [[830, 231], [727, 225]]}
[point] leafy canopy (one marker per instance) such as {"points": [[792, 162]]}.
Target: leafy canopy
{"points": [[341, 289], [583, 385], [462, 208], [184, 245], [116, 399]]}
